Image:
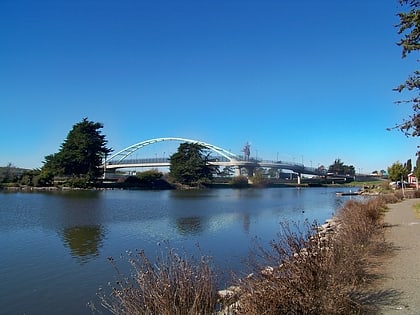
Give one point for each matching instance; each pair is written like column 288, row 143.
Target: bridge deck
column 164, row 162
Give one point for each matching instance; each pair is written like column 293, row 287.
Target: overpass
column 222, row 158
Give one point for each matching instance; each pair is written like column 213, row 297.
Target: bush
column 306, row 282
column 149, row 176
column 239, row 181
column 131, row 180
column 172, row 285
column 316, row 273
column 78, row 182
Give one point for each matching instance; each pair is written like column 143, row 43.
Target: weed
column 309, row 269
column 172, row 285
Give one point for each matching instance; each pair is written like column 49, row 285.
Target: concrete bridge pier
column 250, row 170
column 107, row 171
column 299, row 178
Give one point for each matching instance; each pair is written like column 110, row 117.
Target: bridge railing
column 165, row 161
column 151, row 160
column 140, row 161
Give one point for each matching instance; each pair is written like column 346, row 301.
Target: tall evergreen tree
column 408, row 166
column 81, row 153
column 189, row 165
column 417, row 168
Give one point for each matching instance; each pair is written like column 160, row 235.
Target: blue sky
column 302, row 80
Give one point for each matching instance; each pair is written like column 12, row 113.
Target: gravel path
column 402, row 271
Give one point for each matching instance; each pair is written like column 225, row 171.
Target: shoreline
column 174, row 187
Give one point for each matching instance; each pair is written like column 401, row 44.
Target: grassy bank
column 310, row 269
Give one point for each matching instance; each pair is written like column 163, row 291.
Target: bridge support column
column 299, row 178
column 250, row 171
column 237, row 171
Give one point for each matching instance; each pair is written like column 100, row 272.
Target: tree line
column 399, row 172
column 78, row 163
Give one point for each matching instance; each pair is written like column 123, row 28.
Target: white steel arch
column 121, row 155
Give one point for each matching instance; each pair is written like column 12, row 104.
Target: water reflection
column 84, row 242
column 246, row 222
column 77, row 217
column 189, row 225
column 55, row 242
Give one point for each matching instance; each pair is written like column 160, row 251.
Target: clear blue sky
column 302, row 80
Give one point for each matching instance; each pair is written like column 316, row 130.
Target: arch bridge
column 224, row 158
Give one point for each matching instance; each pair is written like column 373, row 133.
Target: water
column 54, row 245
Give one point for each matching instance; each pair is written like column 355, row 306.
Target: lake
column 54, row 245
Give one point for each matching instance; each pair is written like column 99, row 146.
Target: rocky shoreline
column 332, row 237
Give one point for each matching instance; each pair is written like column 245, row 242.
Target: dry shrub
column 169, row 286
column 359, row 224
column 411, row 193
column 307, row 270
column 307, row 282
column 393, row 197
column 358, row 221
column 319, row 272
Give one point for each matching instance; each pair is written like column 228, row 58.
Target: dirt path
column 402, row 271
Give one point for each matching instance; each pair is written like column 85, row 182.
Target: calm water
column 54, row 245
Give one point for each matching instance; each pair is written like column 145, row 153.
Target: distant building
column 412, row 179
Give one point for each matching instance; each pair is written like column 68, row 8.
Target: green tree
column 339, row 168
column 239, row 181
column 53, row 165
column 417, row 168
column 149, row 176
column 36, row 177
column 189, row 165
column 408, row 166
column 80, row 154
column 409, row 29
column 8, row 173
column 397, row 171
column 227, row 171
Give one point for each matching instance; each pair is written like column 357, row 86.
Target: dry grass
column 318, row 273
column 307, row 270
column 172, row 285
